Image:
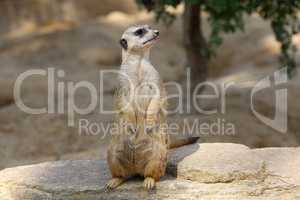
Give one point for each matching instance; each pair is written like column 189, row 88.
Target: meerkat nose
column 156, row 32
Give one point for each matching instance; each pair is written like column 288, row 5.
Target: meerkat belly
column 136, row 101
column 134, row 154
column 138, row 87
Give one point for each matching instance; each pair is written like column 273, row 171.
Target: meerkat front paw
column 151, row 119
column 113, row 183
column 149, row 183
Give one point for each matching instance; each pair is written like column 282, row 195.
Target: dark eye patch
column 140, row 32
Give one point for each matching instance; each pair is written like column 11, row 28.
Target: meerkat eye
column 140, row 32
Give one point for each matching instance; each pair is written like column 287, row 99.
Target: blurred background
column 82, row 37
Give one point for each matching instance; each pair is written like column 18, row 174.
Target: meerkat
column 140, row 144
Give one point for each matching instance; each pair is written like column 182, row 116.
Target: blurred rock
column 253, row 174
column 215, row 163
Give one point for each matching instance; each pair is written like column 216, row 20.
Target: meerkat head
column 138, row 38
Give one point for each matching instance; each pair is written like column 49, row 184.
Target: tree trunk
column 194, row 43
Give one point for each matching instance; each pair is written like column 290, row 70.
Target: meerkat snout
column 139, row 38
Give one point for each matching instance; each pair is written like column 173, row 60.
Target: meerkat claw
column 149, row 183
column 113, row 183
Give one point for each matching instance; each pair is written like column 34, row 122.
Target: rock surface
column 206, row 171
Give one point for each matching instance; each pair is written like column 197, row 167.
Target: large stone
column 206, row 171
column 217, row 163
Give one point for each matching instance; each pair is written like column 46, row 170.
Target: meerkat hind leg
column 149, row 183
column 114, row 182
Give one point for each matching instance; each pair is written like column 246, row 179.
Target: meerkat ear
column 124, row 44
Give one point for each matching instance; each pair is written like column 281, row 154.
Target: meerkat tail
column 178, row 142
